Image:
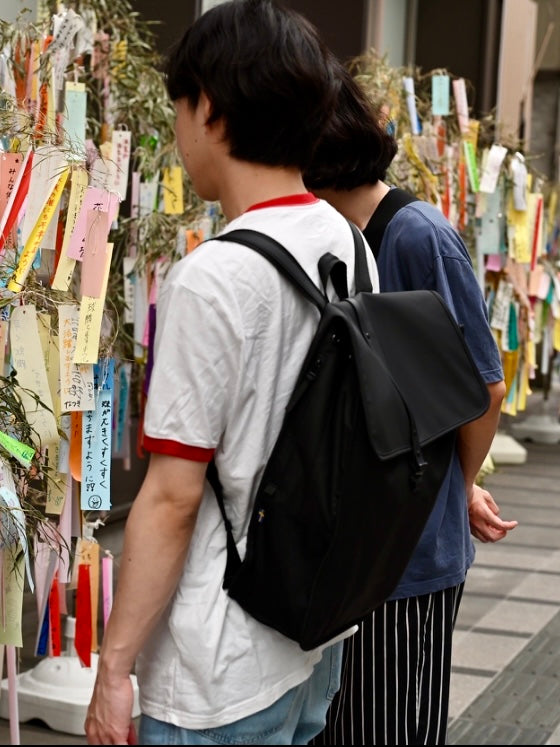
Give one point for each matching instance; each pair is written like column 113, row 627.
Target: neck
column 244, row 184
column 358, row 204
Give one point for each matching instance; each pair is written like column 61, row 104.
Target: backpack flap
column 396, row 358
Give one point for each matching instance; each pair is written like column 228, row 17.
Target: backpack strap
column 285, row 263
column 233, row 561
column 280, row 257
column 394, row 200
column 331, row 266
column 334, row 268
column 361, row 273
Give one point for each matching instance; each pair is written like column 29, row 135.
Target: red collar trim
column 306, row 198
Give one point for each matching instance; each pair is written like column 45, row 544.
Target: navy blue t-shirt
column 421, row 250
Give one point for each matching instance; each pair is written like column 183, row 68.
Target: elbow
column 497, row 392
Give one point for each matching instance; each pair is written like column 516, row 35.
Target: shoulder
column 424, row 227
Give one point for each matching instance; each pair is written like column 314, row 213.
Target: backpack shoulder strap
column 393, row 201
column 233, row 560
column 280, row 257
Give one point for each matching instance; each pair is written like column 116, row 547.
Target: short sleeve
column 195, row 372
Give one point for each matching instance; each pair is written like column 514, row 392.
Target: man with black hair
column 397, row 668
column 253, row 86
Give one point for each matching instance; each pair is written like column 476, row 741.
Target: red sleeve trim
column 174, row 448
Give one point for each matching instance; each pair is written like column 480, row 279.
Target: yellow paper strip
column 29, row 364
column 173, row 191
column 57, row 484
column 66, row 264
column 556, row 335
column 34, row 241
column 10, row 631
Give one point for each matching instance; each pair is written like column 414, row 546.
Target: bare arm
column 474, row 442
column 475, row 438
column 156, row 541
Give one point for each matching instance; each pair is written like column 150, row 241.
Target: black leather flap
column 398, row 363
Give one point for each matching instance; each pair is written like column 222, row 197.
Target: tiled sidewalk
column 506, row 665
column 506, row 662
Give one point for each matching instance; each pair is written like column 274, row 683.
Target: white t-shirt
column 231, row 336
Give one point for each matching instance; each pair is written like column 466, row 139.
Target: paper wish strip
column 91, row 314
column 96, row 454
column 33, row 243
column 66, row 264
column 76, row 380
column 29, row 364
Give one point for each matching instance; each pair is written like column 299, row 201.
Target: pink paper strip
column 107, row 578
column 95, row 199
column 95, row 253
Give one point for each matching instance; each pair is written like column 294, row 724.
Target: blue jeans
column 298, row 716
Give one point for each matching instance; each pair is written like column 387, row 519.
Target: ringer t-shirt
column 231, row 336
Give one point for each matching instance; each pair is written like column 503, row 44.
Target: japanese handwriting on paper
column 96, row 454
column 32, row 375
column 76, row 380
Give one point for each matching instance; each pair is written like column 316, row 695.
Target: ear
column 205, row 110
column 204, row 107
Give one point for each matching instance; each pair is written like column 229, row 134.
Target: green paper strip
column 472, row 167
column 24, row 454
column 513, row 338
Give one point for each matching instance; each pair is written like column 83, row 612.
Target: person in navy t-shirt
column 397, row 668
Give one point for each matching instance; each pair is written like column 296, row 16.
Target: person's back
column 253, row 85
column 397, row 669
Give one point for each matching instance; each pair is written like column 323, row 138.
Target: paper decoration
column 492, row 168
column 91, row 313
column 34, row 241
column 472, row 167
column 96, row 453
column 13, row 584
column 29, row 363
column 519, row 172
column 173, row 190
column 83, row 637
column 11, row 502
column 95, row 198
column 440, row 95
column 76, row 379
column 461, row 105
column 18, row 195
column 120, row 154
column 66, row 264
column 23, row 453
column 75, row 101
column 107, row 577
column 408, row 84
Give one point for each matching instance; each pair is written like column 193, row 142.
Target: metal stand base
column 541, row 429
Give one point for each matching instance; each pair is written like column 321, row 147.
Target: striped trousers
column 396, row 673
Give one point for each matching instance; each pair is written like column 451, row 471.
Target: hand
column 109, row 715
column 484, row 521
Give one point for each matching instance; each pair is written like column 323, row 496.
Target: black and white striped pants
column 396, row 672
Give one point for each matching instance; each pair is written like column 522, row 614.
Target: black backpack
column 365, row 443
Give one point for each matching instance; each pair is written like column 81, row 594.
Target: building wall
column 462, row 38
column 11, row 8
column 340, row 23
column 545, row 118
column 515, row 69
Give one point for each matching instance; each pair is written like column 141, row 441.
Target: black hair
column 265, row 70
column 355, row 147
